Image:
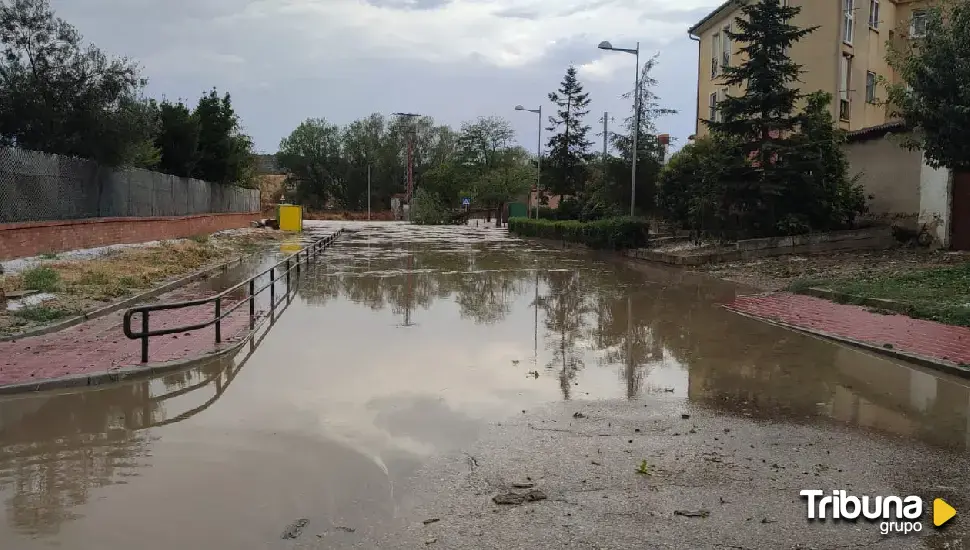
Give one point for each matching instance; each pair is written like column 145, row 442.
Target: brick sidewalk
column 915, row 337
column 100, row 345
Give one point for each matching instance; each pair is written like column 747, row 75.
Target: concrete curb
column 948, row 367
column 122, row 374
column 127, row 302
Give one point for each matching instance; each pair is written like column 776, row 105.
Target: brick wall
column 19, row 240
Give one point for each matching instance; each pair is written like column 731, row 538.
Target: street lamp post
column 410, row 116
column 636, row 117
column 538, row 152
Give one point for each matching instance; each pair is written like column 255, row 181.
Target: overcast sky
column 287, row 60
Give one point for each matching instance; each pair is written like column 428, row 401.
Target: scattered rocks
column 294, row 529
column 430, row 541
column 515, row 499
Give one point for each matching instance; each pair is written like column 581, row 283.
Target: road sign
column 466, row 202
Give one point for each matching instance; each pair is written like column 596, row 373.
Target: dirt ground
column 81, row 281
column 777, row 273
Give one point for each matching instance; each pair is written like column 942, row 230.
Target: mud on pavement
column 654, row 475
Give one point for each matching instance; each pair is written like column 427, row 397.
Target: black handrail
column 294, row 261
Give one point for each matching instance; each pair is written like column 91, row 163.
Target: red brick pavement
column 100, row 345
column 926, row 339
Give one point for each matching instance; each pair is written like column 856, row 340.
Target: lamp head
column 519, row 108
column 605, row 45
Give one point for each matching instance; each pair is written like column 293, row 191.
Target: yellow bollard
column 290, row 217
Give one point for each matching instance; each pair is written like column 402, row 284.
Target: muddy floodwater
column 402, row 344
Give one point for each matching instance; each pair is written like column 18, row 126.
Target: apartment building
column 845, row 56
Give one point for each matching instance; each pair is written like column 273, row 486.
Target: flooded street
column 404, row 344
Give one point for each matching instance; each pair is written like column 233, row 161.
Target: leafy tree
column 61, row 96
column 225, row 153
column 311, row 154
column 178, row 139
column 932, row 97
column 824, row 197
column 569, row 145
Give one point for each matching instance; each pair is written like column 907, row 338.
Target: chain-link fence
column 37, row 186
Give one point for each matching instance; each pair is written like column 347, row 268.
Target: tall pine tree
column 763, row 119
column 569, row 145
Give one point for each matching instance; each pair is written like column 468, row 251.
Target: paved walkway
column 925, row 339
column 100, row 345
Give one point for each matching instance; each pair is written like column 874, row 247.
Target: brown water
column 405, row 343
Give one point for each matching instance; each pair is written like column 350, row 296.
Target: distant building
column 266, row 164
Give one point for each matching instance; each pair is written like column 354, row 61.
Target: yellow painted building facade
column 845, row 56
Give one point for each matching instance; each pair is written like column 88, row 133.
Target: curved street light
column 606, row 45
column 538, row 152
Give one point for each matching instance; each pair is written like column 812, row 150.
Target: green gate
column 518, row 210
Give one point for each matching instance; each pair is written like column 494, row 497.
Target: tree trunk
column 500, row 217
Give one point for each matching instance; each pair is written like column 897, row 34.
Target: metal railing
column 291, row 263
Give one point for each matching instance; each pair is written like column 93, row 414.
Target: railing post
column 218, row 320
column 298, row 263
column 252, row 303
column 144, row 337
column 287, row 276
column 272, row 288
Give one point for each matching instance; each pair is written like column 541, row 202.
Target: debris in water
column 578, row 415
column 692, row 513
column 523, row 485
column 345, row 529
column 685, row 416
column 515, row 499
column 515, row 361
column 431, row 541
column 431, row 520
column 294, row 529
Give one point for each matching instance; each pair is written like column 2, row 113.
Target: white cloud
column 462, row 29
column 605, row 67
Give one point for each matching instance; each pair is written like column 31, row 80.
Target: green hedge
column 610, row 233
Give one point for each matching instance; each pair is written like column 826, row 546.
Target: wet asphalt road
column 391, row 390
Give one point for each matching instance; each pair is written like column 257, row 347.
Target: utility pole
column 606, row 138
column 410, row 116
column 606, row 134
column 368, row 191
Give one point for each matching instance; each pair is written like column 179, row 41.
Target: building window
column 845, row 81
column 917, row 28
column 725, row 47
column 848, row 20
column 712, row 103
column 874, row 14
column 715, row 54
column 870, row 87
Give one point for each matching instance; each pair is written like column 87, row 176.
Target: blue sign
column 466, row 202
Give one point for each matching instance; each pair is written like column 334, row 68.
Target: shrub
column 43, row 279
column 428, row 209
column 610, row 233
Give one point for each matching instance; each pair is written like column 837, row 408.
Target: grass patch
column 43, row 314
column 43, row 279
column 48, row 256
column 200, row 239
column 940, row 294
